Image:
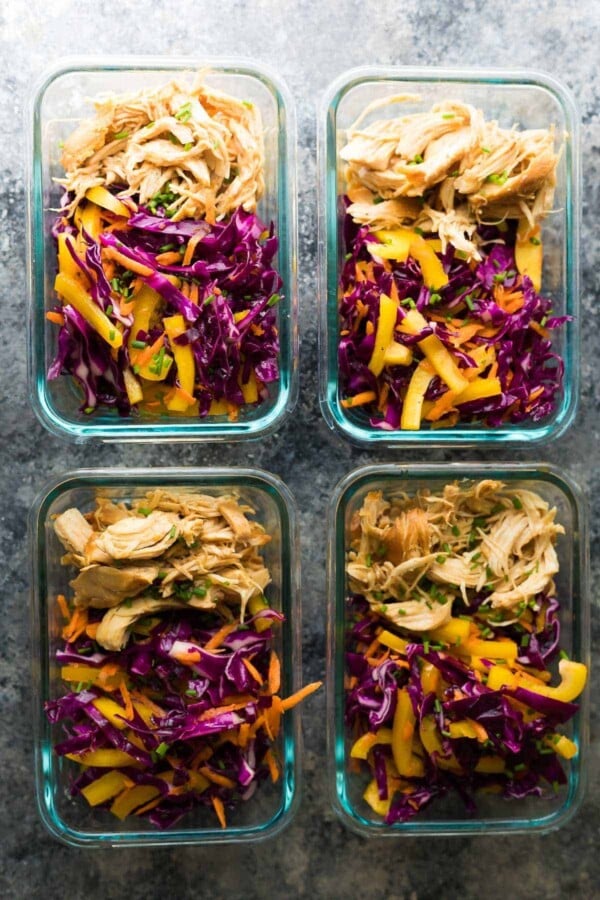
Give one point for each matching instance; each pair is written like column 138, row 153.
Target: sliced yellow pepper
column 529, row 254
column 430, row 678
column 360, row 748
column 490, row 765
column 66, row 263
column 392, row 641
column 86, row 674
column 479, row 389
column 462, row 729
column 104, row 759
column 133, row 387
column 562, row 745
column 72, row 292
column 573, row 678
column 250, row 388
column 455, row 631
column 499, row 677
column 412, row 408
column 430, row 739
column 184, row 359
column 395, row 244
column 111, row 711
column 146, row 305
column 152, row 372
column 431, row 267
column 490, row 649
column 106, row 787
column 133, row 797
column 388, row 312
column 438, row 355
column 397, row 355
column 218, row 408
column 91, row 220
column 107, row 200
column 371, row 796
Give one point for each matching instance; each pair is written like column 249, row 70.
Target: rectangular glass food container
column 530, row 99
column 71, row 820
column 448, row 816
column 61, row 99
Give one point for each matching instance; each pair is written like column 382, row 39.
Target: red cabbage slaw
column 494, row 306
column 220, row 278
column 468, row 722
column 187, row 715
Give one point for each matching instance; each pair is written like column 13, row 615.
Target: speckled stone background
column 310, row 42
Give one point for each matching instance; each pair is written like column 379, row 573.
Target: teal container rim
column 328, row 228
column 111, row 429
column 336, row 595
column 225, row 477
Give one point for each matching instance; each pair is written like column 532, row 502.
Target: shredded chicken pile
column 412, row 557
column 166, row 551
column 200, row 145
column 447, row 170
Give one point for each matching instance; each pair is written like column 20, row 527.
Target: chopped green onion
column 120, row 135
column 535, row 241
column 516, row 502
column 144, row 510
column 498, row 178
column 273, row 299
column 139, row 345
column 173, row 532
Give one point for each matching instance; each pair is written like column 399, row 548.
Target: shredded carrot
column 233, row 412
column 441, row 407
column 383, row 396
column 539, row 329
column 253, row 670
column 129, row 711
column 143, row 698
column 274, row 676
column 76, row 626
column 201, row 756
column 300, row 695
column 132, row 265
column 55, row 317
column 91, row 630
column 272, row 764
column 536, row 393
column 146, row 355
column 216, row 778
column 218, row 638
column 62, row 605
column 359, row 399
column 169, row 258
column 194, row 292
column 190, row 248
column 244, row 734
column 220, row 810
column 372, row 647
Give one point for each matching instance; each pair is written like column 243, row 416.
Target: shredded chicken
column 466, row 170
column 201, row 146
column 170, row 549
column 411, row 557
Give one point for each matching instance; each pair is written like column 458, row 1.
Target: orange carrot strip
column 253, row 670
column 372, row 647
column 129, row 711
column 274, row 676
column 244, row 734
column 300, row 695
column 383, row 396
column 201, row 756
column 221, row 780
column 147, row 354
column 359, row 399
column 62, row 605
column 194, row 293
column 258, row 723
column 220, row 811
column 143, row 698
column 76, row 626
column 55, row 317
column 218, row 638
column 442, row 405
column 148, row 806
column 168, row 258
column 272, row 764
column 132, row 265
column 535, row 326
column 191, row 246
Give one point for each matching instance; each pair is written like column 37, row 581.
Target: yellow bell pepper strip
column 562, row 745
column 359, row 399
column 106, row 787
column 218, row 408
column 249, row 388
column 392, row 641
column 66, row 263
column 133, row 797
column 412, row 408
column 255, row 605
column 395, row 244
column 431, row 267
column 403, row 729
column 111, row 711
column 468, row 728
column 133, row 387
column 501, row 649
column 184, row 360
column 455, row 631
column 573, row 679
column 360, row 748
column 438, row 355
column 388, row 312
column 428, row 731
column 490, row 765
column 430, row 678
column 107, row 201
column 146, row 306
column 72, row 292
column 479, row 389
column 397, row 355
column 371, row 796
column 91, row 220
column 499, row 677
column 104, row 759
column 158, row 367
column 529, row 252
column 85, row 674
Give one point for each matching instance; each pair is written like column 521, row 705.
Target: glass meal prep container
column 62, row 98
column 70, row 819
column 448, row 815
column 532, row 100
